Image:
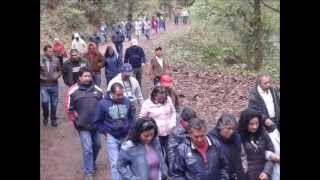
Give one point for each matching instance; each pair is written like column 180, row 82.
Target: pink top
column 163, row 114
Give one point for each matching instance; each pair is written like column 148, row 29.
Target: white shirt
column 160, row 61
column 268, row 101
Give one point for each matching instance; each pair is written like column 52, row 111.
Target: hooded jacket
column 190, row 166
column 135, row 56
column 71, row 69
column 82, row 100
column 49, row 76
column 132, row 164
column 232, row 151
column 80, row 45
column 115, row 118
column 135, row 88
column 95, row 59
column 59, row 50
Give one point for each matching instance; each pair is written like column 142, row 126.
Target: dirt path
column 60, row 152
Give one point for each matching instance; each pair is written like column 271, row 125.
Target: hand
column 275, row 158
column 263, row 176
column 269, row 122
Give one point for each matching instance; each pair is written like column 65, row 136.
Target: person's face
column 49, row 52
column 159, row 53
column 85, row 78
column 91, row 48
column 147, row 136
column 227, row 131
column 117, row 96
column 110, row 51
column 265, row 83
column 74, row 56
column 160, row 97
column 198, row 136
column 125, row 77
column 253, row 125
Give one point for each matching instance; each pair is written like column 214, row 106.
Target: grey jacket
column 132, row 164
column 49, row 76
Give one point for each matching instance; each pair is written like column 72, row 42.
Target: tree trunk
column 130, row 9
column 258, row 31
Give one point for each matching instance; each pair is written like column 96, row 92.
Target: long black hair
column 141, row 125
column 245, row 118
column 158, row 90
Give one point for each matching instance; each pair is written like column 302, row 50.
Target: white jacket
column 136, row 90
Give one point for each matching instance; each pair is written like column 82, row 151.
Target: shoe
column 45, row 121
column 54, row 123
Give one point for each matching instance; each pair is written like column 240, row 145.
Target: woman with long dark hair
column 140, row 156
column 257, row 148
column 112, row 64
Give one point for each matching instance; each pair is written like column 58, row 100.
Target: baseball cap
column 127, row 69
column 166, row 81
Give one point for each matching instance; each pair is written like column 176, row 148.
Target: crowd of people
column 156, row 137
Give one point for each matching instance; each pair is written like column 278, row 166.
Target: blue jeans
column 49, row 94
column 90, row 144
column 113, row 148
column 96, row 77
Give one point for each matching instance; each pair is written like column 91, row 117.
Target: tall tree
column 258, row 30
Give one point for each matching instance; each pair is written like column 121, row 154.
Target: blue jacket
column 112, row 65
column 135, row 56
column 190, row 166
column 177, row 136
column 114, row 118
column 133, row 155
column 232, row 151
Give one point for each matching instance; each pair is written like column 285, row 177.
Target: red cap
column 166, row 81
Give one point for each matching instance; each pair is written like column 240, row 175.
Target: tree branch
column 266, row 5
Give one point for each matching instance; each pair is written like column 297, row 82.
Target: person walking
column 114, row 117
column 226, row 133
column 257, row 148
column 158, row 67
column 167, row 82
column 159, row 107
column 118, row 39
column 59, row 50
column 81, row 102
column 50, row 71
column 78, row 44
column 266, row 99
column 140, row 155
column 112, row 64
column 200, row 157
column 178, row 134
column 96, row 63
column 131, row 86
column 71, row 67
column 135, row 56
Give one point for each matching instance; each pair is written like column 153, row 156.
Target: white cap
column 134, row 42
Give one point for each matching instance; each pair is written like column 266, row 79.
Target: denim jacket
column 132, row 164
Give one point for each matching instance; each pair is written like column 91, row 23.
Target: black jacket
column 256, row 158
column 83, row 100
column 135, row 56
column 70, row 70
column 117, row 37
column 256, row 103
column 232, row 151
column 190, row 166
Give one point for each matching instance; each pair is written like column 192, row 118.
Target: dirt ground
column 60, row 152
